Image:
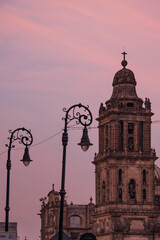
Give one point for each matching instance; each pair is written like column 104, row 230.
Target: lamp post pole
column 84, row 119
column 23, row 136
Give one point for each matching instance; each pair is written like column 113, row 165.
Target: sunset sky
column 54, row 54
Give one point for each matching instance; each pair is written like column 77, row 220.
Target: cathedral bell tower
column 124, row 166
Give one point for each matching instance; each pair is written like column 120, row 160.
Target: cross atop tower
column 124, row 62
column 124, row 53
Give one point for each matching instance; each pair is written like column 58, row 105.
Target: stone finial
column 91, row 199
column 102, row 108
column 147, row 103
column 43, row 201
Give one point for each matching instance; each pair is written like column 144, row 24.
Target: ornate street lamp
column 23, row 136
column 84, row 119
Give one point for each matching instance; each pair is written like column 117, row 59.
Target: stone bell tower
column 125, row 165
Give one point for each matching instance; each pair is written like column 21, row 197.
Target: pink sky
column 54, row 54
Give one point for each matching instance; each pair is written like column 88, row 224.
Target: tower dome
column 124, row 76
column 124, row 85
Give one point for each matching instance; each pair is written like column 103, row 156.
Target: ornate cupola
column 124, row 88
column 124, row 124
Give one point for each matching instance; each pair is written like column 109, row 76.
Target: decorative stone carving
column 147, row 103
column 101, row 109
column 136, row 224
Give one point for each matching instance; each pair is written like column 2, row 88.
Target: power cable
column 70, row 128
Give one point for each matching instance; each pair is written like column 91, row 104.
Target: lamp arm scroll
column 84, row 119
column 23, row 135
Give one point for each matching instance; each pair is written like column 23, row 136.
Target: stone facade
column 78, row 219
column 127, row 192
column 127, row 180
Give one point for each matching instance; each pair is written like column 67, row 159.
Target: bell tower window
column 141, row 136
column 120, row 176
column 130, row 144
column 120, row 194
column 107, row 185
column 98, row 188
column 130, row 128
column 107, row 138
column 144, row 177
column 103, row 192
column 121, row 135
column 108, row 177
column 130, row 104
column 132, row 189
column 144, row 194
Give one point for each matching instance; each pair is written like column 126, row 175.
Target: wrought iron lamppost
column 84, row 119
column 23, row 136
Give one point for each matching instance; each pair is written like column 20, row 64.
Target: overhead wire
column 47, row 139
column 156, row 121
column 70, row 127
column 43, row 141
column 3, row 152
